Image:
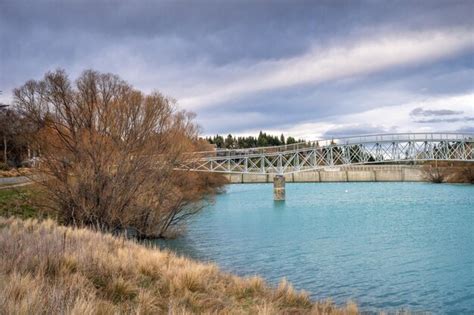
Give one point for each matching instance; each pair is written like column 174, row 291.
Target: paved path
column 12, row 182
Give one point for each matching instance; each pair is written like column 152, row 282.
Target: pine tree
column 282, row 139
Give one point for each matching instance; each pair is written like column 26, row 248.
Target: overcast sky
column 309, row 69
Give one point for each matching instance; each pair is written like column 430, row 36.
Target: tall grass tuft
column 51, row 269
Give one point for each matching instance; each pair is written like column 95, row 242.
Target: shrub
column 463, row 174
column 109, row 153
column 434, row 174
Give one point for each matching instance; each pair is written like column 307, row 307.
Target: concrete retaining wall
column 388, row 176
column 360, row 176
column 310, row 176
column 364, row 173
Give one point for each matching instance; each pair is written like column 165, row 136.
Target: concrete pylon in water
column 279, row 187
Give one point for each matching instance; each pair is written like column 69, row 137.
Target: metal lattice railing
column 380, row 148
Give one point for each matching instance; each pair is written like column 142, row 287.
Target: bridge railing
column 354, row 140
column 404, row 137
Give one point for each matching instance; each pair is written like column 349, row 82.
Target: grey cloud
column 353, row 130
column 162, row 45
column 469, row 129
column 444, row 120
column 225, row 32
column 282, row 108
column 432, row 112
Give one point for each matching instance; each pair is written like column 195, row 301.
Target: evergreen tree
column 282, row 139
column 263, row 140
column 219, row 141
column 290, row 140
column 229, row 142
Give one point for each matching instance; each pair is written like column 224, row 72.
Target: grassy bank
column 51, row 269
column 19, row 202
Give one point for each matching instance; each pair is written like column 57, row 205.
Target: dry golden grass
column 51, row 269
column 22, row 171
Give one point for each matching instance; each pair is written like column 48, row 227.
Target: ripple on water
column 386, row 245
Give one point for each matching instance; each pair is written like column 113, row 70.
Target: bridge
column 330, row 153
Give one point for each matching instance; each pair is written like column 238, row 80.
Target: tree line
column 262, row 140
column 15, row 133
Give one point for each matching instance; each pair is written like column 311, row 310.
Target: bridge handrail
column 350, row 140
column 414, row 136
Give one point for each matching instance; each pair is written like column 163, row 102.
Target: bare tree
column 5, row 130
column 109, row 152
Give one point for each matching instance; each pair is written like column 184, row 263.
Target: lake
column 387, row 246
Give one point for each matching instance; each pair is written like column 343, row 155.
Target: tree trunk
column 5, row 149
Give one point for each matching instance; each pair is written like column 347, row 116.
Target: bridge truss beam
column 386, row 148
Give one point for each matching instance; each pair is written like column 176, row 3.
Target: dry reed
column 50, row 269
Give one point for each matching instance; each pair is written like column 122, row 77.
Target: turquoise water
column 387, row 246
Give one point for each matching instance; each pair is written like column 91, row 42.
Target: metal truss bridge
column 312, row 155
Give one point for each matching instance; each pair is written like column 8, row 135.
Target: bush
column 4, row 166
column 468, row 175
column 463, row 175
column 435, row 175
column 109, row 152
column 452, row 172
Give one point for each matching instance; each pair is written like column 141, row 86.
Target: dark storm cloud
column 228, row 31
column 219, row 32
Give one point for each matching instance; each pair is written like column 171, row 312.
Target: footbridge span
column 330, row 153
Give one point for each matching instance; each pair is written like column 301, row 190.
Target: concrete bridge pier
column 279, row 188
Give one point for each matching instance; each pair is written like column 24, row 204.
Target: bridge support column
column 278, row 187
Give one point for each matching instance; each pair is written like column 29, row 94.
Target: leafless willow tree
column 109, row 151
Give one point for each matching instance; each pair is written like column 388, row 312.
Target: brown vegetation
column 14, row 172
column 449, row 172
column 109, row 152
column 464, row 175
column 50, row 269
column 435, row 174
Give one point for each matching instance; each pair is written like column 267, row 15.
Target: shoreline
column 80, row 271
